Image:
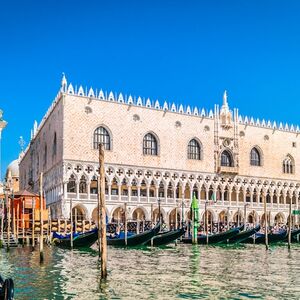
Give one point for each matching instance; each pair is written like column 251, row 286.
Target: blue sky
column 183, row 51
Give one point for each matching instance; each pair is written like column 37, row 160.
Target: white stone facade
column 62, row 147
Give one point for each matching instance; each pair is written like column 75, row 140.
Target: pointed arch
column 194, row 149
column 226, row 159
column 256, row 156
column 150, row 144
column 288, row 165
column 102, row 135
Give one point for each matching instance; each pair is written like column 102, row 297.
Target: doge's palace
column 161, row 151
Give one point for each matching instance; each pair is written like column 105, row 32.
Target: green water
column 182, row 272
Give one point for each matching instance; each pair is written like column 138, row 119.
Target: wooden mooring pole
column 33, row 223
column 266, row 223
column 41, row 220
column 290, row 225
column 125, row 222
column 101, row 202
column 8, row 220
column 71, row 223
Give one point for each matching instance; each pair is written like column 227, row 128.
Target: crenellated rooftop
column 69, row 89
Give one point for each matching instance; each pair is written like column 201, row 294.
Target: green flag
column 195, row 204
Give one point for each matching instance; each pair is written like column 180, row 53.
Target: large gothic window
column 101, row 136
column 194, row 150
column 226, row 159
column 255, row 159
column 288, row 165
column 71, row 186
column 150, row 146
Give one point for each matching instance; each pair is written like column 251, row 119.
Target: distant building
column 12, row 175
column 165, row 151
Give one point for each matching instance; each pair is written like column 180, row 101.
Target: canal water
column 175, row 272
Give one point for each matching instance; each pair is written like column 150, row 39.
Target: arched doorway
column 118, row 215
column 78, row 213
column 174, row 221
column 279, row 219
column 138, row 214
column 238, row 218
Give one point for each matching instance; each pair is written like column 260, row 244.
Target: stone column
column 229, row 196
column 77, row 190
column 109, row 191
column 89, row 190
column 271, row 197
column 166, row 192
column 156, row 191
column 237, row 198
column 251, row 199
column 129, row 193
column 148, row 193
column 222, row 196
column 174, row 193
column 139, row 192
column 119, row 191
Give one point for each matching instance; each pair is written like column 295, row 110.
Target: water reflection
column 182, row 272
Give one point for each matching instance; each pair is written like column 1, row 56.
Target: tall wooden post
column 125, row 222
column 152, row 217
column 75, row 223
column 206, row 222
column 290, row 225
column 23, row 221
column 266, row 223
column 71, row 222
column 33, row 223
column 8, row 220
column 102, row 228
column 2, row 221
column 14, row 217
column 176, row 218
column 18, row 220
column 41, row 220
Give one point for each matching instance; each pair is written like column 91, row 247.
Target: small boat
column 214, row 238
column 164, row 238
column 243, row 235
column 135, row 239
column 294, row 235
column 86, row 239
column 259, row 238
column 7, row 289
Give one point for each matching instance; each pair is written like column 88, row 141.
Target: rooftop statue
column 1, row 114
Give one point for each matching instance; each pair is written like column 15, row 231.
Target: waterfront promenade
column 182, row 272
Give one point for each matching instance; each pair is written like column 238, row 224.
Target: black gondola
column 243, row 235
column 294, row 234
column 259, row 238
column 165, row 238
column 134, row 240
column 6, row 289
column 86, row 239
column 214, row 238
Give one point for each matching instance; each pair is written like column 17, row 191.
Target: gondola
column 294, row 235
column 86, row 239
column 133, row 240
column 259, row 238
column 165, row 238
column 214, row 238
column 243, row 235
column 6, row 289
